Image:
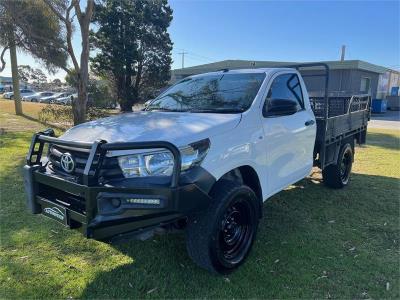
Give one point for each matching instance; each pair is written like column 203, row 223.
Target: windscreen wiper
column 218, row 110
column 165, row 109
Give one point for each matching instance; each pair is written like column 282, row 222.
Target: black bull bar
column 184, row 194
column 99, row 147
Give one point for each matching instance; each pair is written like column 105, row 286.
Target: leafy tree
column 66, row 11
column 38, row 77
column 34, row 29
column 25, row 72
column 72, row 78
column 135, row 47
column 99, row 94
column 57, row 82
column 29, row 74
column 29, row 26
column 99, row 91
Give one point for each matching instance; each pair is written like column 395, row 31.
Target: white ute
column 241, row 137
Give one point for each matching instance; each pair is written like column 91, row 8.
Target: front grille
column 109, row 168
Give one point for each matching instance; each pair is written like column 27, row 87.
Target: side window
column 285, row 87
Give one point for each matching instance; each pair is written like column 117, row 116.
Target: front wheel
column 337, row 175
column 220, row 238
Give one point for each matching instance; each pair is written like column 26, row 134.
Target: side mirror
column 281, row 107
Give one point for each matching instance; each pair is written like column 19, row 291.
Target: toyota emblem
column 67, row 163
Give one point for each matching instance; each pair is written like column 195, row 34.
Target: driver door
column 289, row 129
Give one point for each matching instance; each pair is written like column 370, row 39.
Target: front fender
column 238, row 149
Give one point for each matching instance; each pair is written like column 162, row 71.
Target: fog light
column 149, row 201
column 115, row 202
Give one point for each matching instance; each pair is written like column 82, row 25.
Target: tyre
column 337, row 175
column 219, row 239
column 34, row 100
column 11, row 97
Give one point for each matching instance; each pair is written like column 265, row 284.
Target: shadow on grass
column 313, row 242
column 383, row 140
column 306, row 232
column 52, row 125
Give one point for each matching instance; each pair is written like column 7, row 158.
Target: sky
column 277, row 31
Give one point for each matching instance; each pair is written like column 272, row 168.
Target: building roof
column 5, row 79
column 238, row 64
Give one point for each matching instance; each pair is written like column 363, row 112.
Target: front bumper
column 102, row 211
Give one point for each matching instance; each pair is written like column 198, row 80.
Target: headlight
column 161, row 163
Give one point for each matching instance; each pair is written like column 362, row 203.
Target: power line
column 196, row 55
column 202, row 56
column 198, row 58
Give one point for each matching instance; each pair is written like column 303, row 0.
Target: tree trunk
column 126, row 105
column 79, row 104
column 15, row 77
column 83, row 78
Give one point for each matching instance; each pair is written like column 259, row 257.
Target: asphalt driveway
column 387, row 120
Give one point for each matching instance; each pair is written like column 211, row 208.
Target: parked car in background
column 67, row 100
column 54, row 98
column 37, row 96
column 24, row 92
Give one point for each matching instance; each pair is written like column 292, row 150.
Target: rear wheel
column 337, row 175
column 220, row 238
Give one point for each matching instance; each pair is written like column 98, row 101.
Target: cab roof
column 244, row 71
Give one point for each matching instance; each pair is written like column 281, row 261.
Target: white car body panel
column 8, row 95
column 67, row 99
column 46, row 97
column 36, row 96
column 289, row 143
column 175, row 127
column 54, row 98
column 59, row 97
column 30, row 97
column 279, row 149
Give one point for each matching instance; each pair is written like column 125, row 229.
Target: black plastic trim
column 99, row 221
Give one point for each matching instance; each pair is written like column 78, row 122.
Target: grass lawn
column 313, row 242
column 8, row 120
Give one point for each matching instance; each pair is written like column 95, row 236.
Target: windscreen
column 228, row 93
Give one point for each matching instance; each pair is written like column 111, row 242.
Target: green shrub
column 62, row 115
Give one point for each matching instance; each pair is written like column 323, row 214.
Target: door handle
column 309, row 122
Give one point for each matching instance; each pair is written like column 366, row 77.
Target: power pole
column 183, row 57
column 343, row 53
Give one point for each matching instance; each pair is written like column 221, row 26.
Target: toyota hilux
column 202, row 157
